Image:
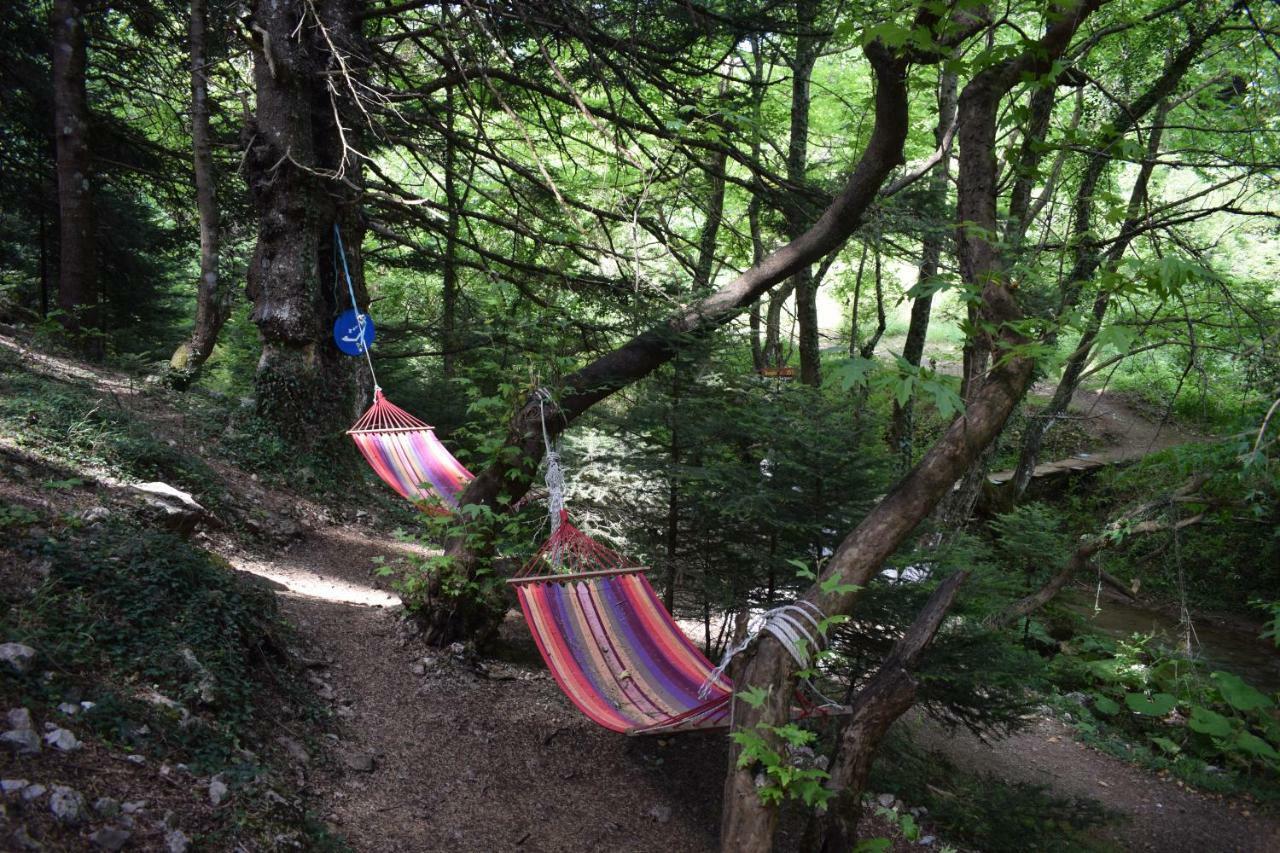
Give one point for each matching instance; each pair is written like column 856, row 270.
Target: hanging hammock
column 612, row 646
column 406, row 454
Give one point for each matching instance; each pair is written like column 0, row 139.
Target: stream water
column 1232, row 648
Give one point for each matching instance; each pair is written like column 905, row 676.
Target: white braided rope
column 555, row 474
column 796, row 626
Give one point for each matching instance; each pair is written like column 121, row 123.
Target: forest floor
column 442, row 750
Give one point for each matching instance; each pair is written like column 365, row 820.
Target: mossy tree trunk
column 304, row 176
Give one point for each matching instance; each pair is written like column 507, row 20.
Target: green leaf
column 753, row 696
column 1167, row 745
column 1239, row 694
column 1208, row 722
column 1256, row 746
column 1156, row 706
column 873, row 845
column 833, row 586
column 1104, row 705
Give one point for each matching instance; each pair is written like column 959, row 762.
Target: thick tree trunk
column 902, row 426
column 78, row 293
column 887, row 696
column 301, row 170
column 213, row 298
column 747, row 823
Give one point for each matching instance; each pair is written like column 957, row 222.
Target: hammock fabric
column 612, row 647
column 406, row 454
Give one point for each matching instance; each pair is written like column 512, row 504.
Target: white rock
column 295, row 749
column 67, row 805
column 106, row 807
column 886, row 800
column 69, row 708
column 62, row 739
column 12, row 786
column 217, row 791
column 133, row 807
column 19, row 718
column 21, row 741
column 176, row 841
column 135, row 759
column 17, row 656
column 33, row 792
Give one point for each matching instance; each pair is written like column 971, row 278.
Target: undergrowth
column 180, row 659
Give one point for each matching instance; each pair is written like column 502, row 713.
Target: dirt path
column 1123, row 433
column 1157, row 812
column 474, row 755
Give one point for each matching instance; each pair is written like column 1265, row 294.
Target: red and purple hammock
column 603, row 632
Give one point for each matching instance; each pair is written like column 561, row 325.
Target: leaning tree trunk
column 888, row 695
column 78, row 293
column 304, row 178
column 213, row 298
column 748, row 823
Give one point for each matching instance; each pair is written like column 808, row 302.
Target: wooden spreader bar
column 577, row 576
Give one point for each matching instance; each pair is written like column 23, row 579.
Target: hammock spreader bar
column 406, row 454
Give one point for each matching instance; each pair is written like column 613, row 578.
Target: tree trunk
column 902, row 426
column 803, row 282
column 78, row 293
column 747, row 823
column 449, row 284
column 887, row 696
column 301, row 171
column 213, row 299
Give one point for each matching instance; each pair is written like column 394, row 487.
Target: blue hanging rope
column 351, row 291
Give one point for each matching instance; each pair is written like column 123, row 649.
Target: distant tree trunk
column 803, row 282
column 78, row 293
column 757, row 192
column 213, row 298
column 449, row 283
column 296, row 154
column 673, row 492
column 44, row 264
column 902, row 428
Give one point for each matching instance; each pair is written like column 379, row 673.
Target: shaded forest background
column 798, row 278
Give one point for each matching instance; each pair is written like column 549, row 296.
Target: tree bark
column 213, row 298
column 887, row 696
column 79, row 298
column 303, row 179
column 747, row 823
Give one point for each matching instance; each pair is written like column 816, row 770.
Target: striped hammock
column 612, row 647
column 406, row 454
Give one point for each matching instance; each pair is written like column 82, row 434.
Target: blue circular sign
column 353, row 332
